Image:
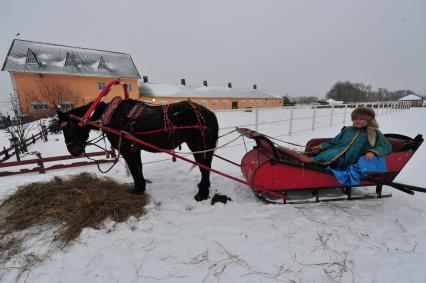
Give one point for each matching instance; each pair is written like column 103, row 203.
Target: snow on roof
column 332, row 101
column 169, row 90
column 411, row 97
column 52, row 57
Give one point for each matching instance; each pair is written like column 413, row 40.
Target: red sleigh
column 285, row 171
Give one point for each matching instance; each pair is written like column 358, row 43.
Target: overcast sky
column 296, row 48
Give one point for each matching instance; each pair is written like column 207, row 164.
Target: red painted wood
column 50, row 159
column 98, row 99
column 54, row 167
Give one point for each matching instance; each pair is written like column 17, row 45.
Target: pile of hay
column 71, row 204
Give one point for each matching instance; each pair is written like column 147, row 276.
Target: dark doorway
column 234, row 104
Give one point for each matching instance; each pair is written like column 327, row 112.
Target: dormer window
column 31, row 58
column 69, row 62
column 102, row 64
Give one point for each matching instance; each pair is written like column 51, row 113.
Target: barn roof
column 169, row 90
column 410, row 97
column 46, row 58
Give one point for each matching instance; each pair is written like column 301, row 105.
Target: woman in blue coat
column 361, row 139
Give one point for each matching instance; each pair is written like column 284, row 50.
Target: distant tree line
column 358, row 92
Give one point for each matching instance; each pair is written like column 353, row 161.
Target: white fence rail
column 285, row 121
column 278, row 122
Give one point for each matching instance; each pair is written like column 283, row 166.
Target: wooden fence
column 7, row 153
column 41, row 167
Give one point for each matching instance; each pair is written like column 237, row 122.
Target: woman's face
column 359, row 123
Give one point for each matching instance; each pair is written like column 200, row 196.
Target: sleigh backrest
column 266, row 146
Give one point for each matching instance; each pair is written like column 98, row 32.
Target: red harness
column 201, row 123
column 169, row 127
column 106, row 116
column 136, row 111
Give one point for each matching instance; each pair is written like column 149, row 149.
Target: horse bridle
column 71, row 124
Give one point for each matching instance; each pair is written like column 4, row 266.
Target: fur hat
column 367, row 114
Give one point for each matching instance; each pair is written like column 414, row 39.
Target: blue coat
column 349, row 145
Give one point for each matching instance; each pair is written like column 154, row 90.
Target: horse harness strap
column 169, row 127
column 112, row 106
column 201, row 123
column 136, row 111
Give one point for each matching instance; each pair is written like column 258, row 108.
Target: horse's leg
column 134, row 162
column 205, row 159
column 141, row 168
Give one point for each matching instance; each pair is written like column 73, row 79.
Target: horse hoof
column 137, row 192
column 199, row 197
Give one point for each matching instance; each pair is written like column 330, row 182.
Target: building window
column 31, row 58
column 101, row 85
column 129, row 87
column 259, row 102
column 67, row 105
column 225, row 103
column 102, row 64
column 251, row 103
column 215, row 103
column 204, row 103
column 68, row 61
column 243, row 103
column 40, row 106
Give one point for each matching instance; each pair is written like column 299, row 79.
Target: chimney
column 254, row 86
column 230, row 85
column 145, row 79
column 182, row 82
column 205, row 83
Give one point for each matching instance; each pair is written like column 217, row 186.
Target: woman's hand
column 369, row 155
column 315, row 149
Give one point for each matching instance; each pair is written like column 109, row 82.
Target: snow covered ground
column 245, row 240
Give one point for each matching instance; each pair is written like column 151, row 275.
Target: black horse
column 168, row 126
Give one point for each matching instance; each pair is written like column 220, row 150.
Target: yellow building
column 44, row 75
column 214, row 98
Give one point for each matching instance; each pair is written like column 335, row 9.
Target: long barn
column 214, row 98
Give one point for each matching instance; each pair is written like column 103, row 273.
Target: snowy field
column 245, row 240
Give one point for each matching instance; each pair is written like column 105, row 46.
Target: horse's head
column 75, row 136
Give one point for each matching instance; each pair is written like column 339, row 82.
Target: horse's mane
column 80, row 110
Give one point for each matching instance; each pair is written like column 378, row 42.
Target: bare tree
column 53, row 91
column 358, row 92
column 18, row 128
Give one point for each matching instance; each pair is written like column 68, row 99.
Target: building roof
column 169, row 90
column 411, row 97
column 45, row 58
column 332, row 101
